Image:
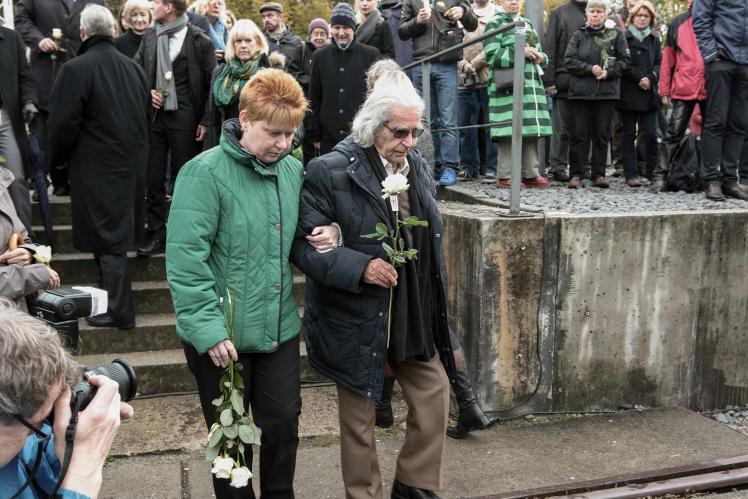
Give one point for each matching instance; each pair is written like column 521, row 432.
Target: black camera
column 61, row 308
column 118, row 370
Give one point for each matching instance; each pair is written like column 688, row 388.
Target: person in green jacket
column 232, row 220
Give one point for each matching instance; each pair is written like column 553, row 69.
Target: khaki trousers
column 419, row 464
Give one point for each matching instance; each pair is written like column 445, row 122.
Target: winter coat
column 565, row 20
column 345, row 320
column 17, row 281
column 16, row 87
column 474, row 53
column 128, row 43
column 392, row 10
column 286, row 44
column 424, row 36
column 682, row 70
column 231, row 224
column 300, row 66
column 34, row 21
column 536, row 121
column 721, row 28
column 98, row 124
column 645, row 63
column 375, row 32
column 201, row 60
column 337, row 88
column 583, row 53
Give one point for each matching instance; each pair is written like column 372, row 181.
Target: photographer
column 35, row 378
column 19, row 275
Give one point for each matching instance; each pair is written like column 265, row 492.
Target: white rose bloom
column 56, row 33
column 43, row 254
column 240, row 477
column 222, row 467
column 610, row 24
column 394, row 184
column 167, row 76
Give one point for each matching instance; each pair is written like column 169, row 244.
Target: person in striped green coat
column 536, row 121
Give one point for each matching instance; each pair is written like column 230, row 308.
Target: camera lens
column 118, row 370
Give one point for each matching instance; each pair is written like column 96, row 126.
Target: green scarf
column 639, row 34
column 232, row 78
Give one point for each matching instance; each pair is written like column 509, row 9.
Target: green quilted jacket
column 231, row 225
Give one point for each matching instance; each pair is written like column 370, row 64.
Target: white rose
column 610, row 24
column 394, row 184
column 222, row 467
column 56, row 33
column 167, row 76
column 43, row 254
column 240, row 477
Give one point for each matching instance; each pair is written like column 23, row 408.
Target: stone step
column 166, row 371
column 63, row 238
column 61, row 211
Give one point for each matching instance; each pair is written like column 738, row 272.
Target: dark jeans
column 273, row 388
column 472, row 101
column 589, row 127
column 114, row 277
column 725, row 122
column 680, row 117
column 648, row 127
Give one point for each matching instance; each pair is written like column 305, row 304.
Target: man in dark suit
column 98, row 123
column 50, row 28
column 178, row 60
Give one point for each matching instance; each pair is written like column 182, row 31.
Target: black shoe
column 402, row 491
column 560, row 176
column 155, row 246
column 61, row 190
column 471, row 417
column 733, row 191
column 106, row 320
column 713, row 191
column 383, row 406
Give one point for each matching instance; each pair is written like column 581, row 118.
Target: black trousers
column 273, row 388
column 725, row 122
column 647, row 123
column 183, row 147
column 680, row 117
column 589, row 128
column 114, row 277
column 58, row 174
column 559, row 155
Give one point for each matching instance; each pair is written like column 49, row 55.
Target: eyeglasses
column 402, row 132
column 43, row 437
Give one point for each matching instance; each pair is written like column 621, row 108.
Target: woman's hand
column 597, row 71
column 54, row 279
column 20, row 256
column 645, row 83
column 602, row 75
column 222, row 352
column 157, row 100
column 324, row 238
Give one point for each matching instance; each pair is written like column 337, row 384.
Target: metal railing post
column 426, row 91
column 517, row 105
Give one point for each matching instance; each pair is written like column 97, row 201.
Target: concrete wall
column 648, row 309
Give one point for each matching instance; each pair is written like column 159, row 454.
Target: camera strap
column 69, row 443
column 31, row 472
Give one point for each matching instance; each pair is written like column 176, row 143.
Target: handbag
column 503, row 79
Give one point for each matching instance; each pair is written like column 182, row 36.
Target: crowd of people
column 190, row 103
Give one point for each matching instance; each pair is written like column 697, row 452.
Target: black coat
column 16, row 86
column 645, row 63
column 35, row 20
column 345, row 320
column 583, row 53
column 201, row 60
column 300, row 66
column 128, row 43
column 380, row 37
column 337, row 88
column 565, row 20
column 286, row 45
column 98, row 124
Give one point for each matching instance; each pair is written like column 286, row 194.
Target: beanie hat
column 343, row 15
column 319, row 23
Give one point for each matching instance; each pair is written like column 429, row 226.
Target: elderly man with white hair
column 360, row 311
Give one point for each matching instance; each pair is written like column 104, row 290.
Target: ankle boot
column 471, row 416
column 383, row 406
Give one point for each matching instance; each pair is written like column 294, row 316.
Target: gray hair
column 604, row 4
column 33, row 362
column 133, row 5
column 377, row 69
column 392, row 90
column 97, row 20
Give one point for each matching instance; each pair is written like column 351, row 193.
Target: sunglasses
column 402, row 132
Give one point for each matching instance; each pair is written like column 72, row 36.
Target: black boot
column 402, row 491
column 471, row 416
column 383, row 406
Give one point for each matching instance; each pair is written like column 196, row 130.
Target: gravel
column 618, row 199
column 735, row 418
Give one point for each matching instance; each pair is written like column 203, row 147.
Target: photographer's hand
column 97, row 425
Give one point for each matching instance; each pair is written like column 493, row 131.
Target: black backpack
column 685, row 166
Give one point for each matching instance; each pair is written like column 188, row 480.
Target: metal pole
column 426, row 91
column 517, row 105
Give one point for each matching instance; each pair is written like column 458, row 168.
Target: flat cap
column 271, row 6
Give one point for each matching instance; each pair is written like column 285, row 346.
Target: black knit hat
column 343, row 15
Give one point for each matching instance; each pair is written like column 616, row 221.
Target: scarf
column 366, row 29
column 163, row 61
column 218, row 34
column 232, row 78
column 640, row 34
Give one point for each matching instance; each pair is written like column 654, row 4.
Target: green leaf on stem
column 245, row 434
column 388, row 249
column 215, row 437
column 217, row 402
column 237, row 401
column 413, row 221
column 232, row 431
column 227, row 419
column 211, row 453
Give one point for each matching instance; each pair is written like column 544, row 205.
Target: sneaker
column 507, row 183
column 540, row 182
column 449, row 177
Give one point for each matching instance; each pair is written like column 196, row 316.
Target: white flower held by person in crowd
column 222, row 467
column 56, row 33
column 43, row 254
column 610, row 24
column 167, row 76
column 240, row 477
column 394, row 185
